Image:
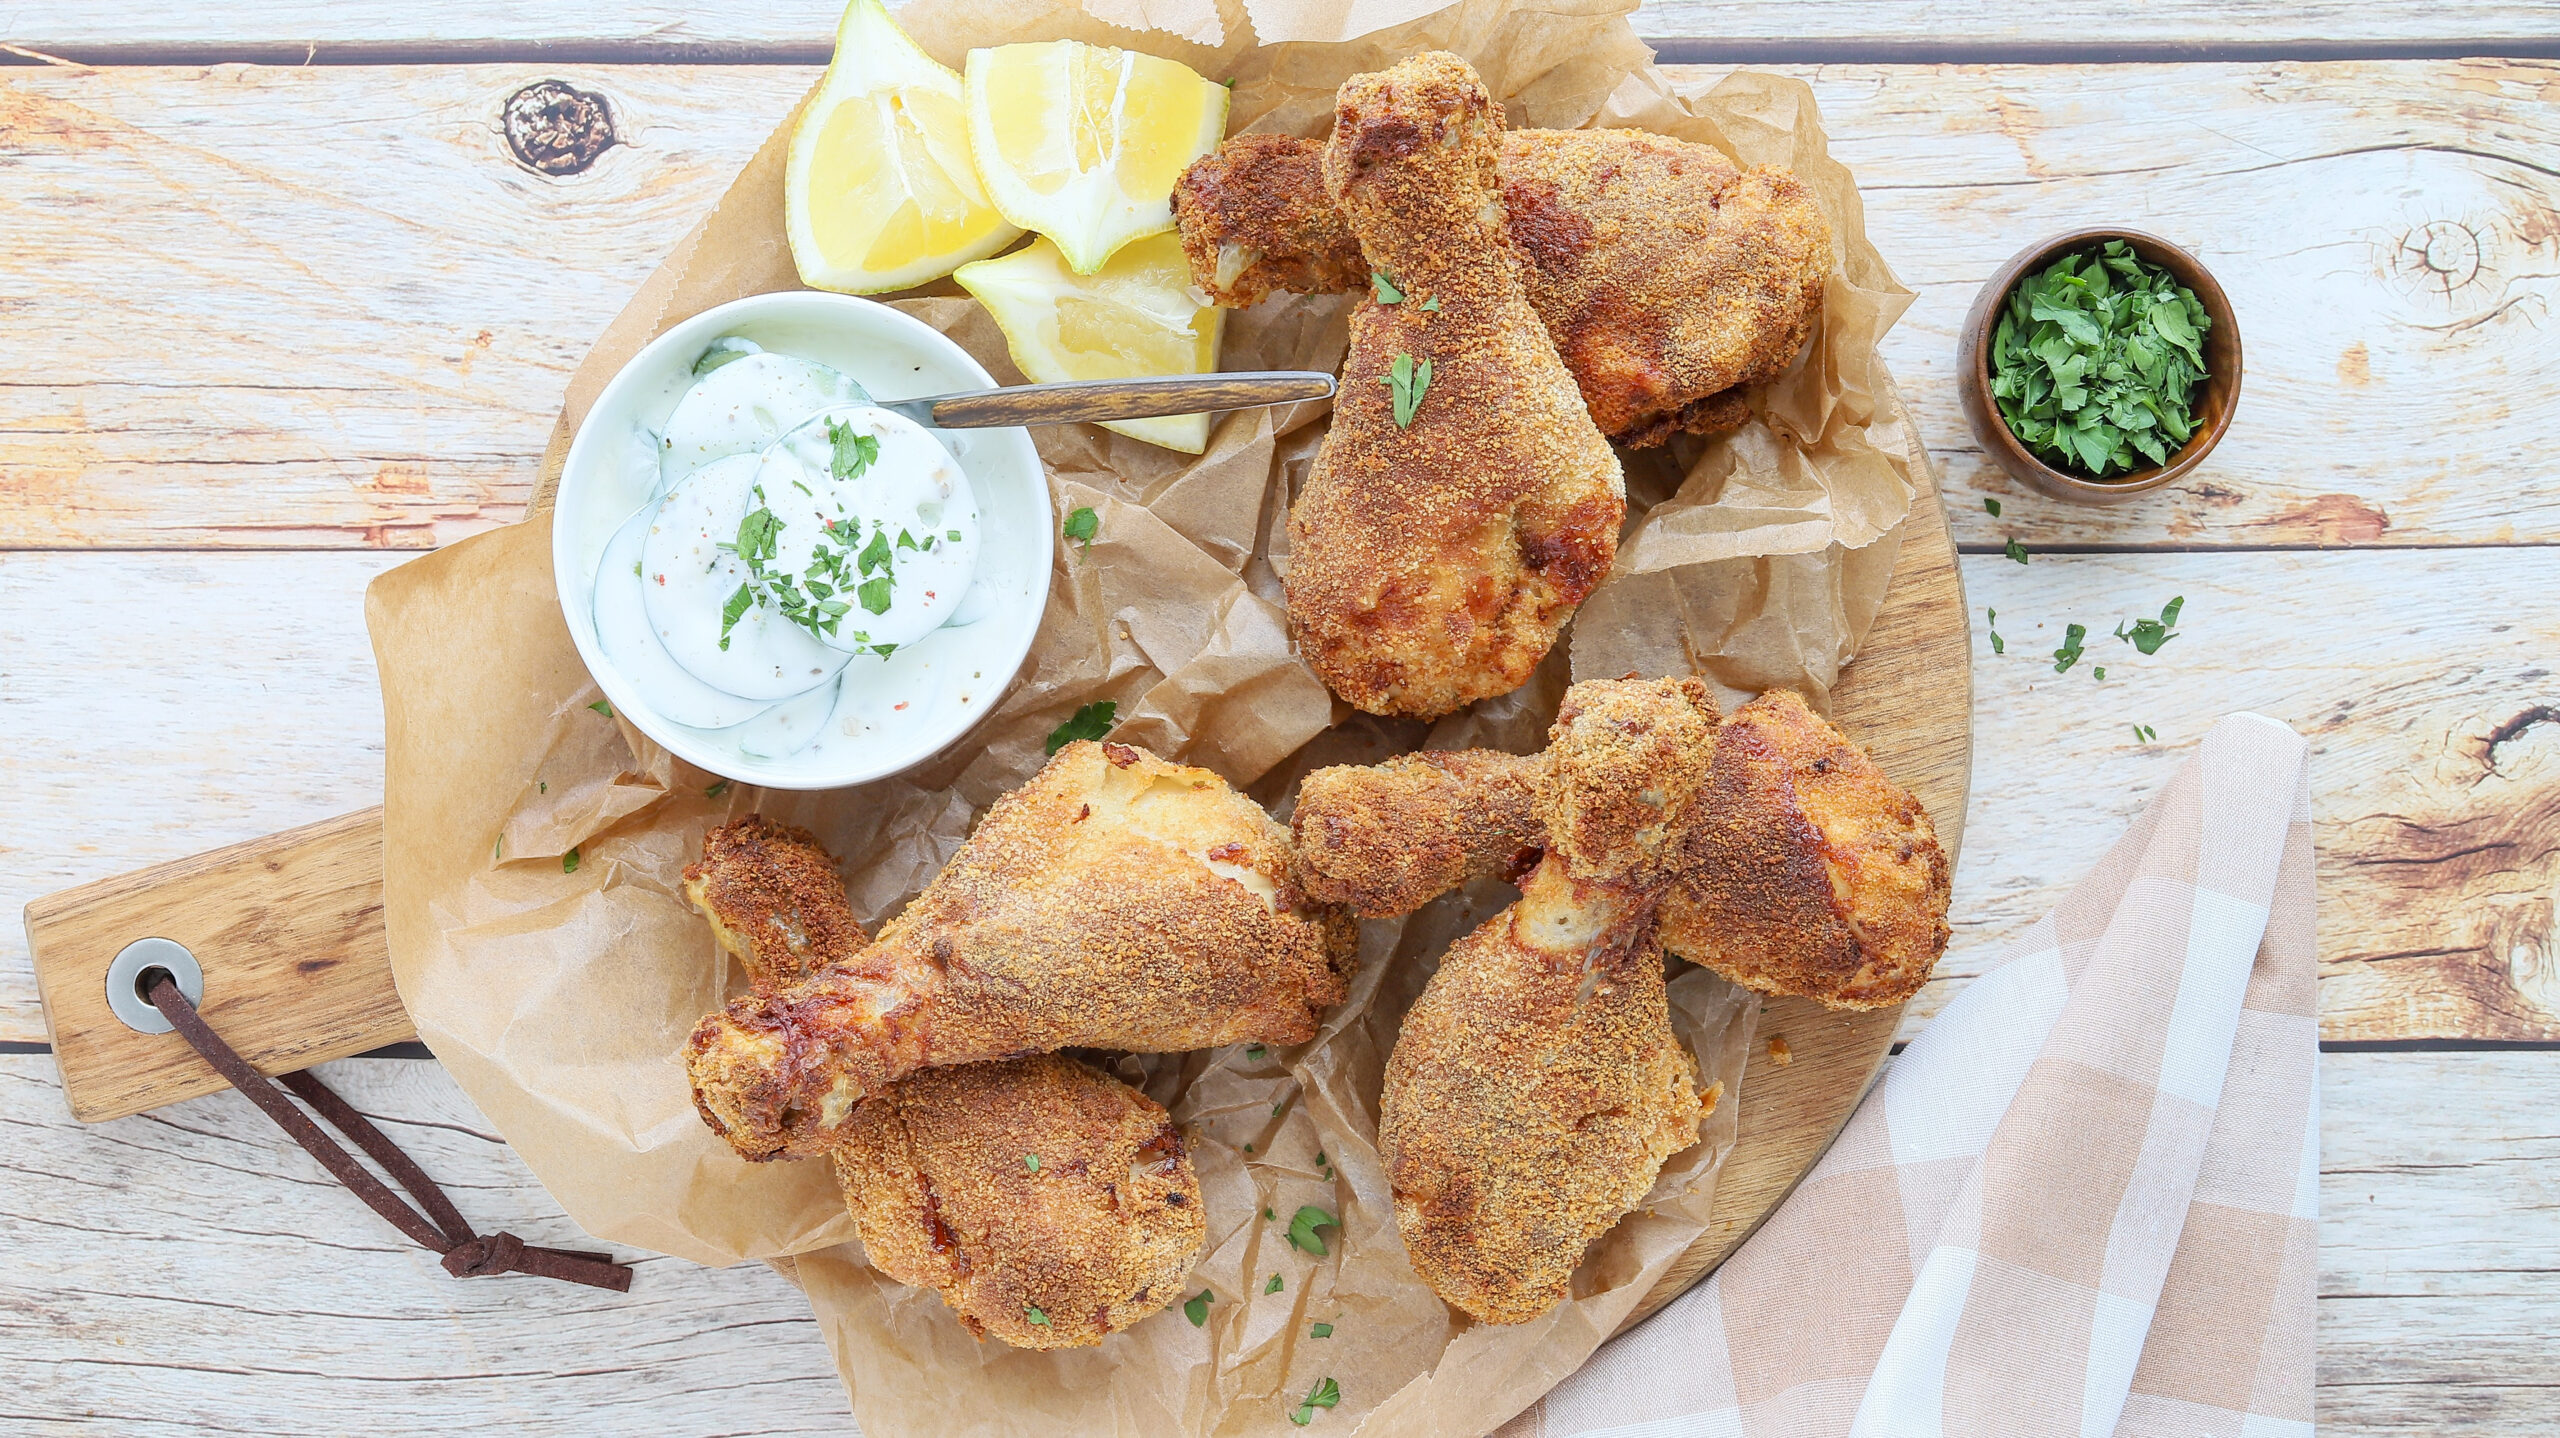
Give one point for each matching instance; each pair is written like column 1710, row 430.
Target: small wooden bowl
column 2214, row 403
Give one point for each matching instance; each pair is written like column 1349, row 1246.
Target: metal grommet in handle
column 124, row 976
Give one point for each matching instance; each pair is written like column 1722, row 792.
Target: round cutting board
column 1908, row 701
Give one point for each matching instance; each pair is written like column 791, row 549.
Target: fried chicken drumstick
column 1536, row 1088
column 1668, row 278
column 1098, row 1236
column 1463, row 503
column 1114, row 901
column 1803, row 869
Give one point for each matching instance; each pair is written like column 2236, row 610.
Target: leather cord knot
column 441, row 1228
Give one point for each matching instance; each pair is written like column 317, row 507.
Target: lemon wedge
column 1083, row 143
column 1135, row 316
column 881, row 193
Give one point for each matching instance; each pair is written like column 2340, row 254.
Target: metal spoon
column 1100, row 399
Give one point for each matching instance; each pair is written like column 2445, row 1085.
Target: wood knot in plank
column 554, row 128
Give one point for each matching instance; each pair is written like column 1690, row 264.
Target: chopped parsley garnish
column 2145, row 733
column 1991, row 506
column 1384, row 288
column 952, row 535
column 2096, row 360
column 2148, row 635
column 1321, row 1330
column 876, row 554
column 758, row 535
column 1035, row 1315
column 1267, row 1213
column 1196, row 1308
column 1273, row 1286
column 1432, row 304
column 716, row 790
column 603, row 708
column 735, row 610
column 2069, row 653
column 1255, row 1051
column 1090, row 722
column 1323, row 1395
column 569, row 862
column 1082, row 525
column 874, row 594
column 1991, row 617
column 853, row 453
column 1277, row 1107
column 1302, row 1229
column 2098, row 672
column 2015, row 550
column 1320, row 1156
column 1031, row 1161
column 1408, row 380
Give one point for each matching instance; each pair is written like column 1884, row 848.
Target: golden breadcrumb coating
column 1536, row 1088
column 1804, row 870
column 1669, row 279
column 1385, row 839
column 1431, row 564
column 774, row 898
column 939, row 1171
column 1114, row 901
column 1809, row 872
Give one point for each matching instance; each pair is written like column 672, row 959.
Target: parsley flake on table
column 1255, row 1051
column 2099, row 673
column 2148, row 635
column 2015, row 550
column 1196, row 1308
column 1035, row 1315
column 1082, row 525
column 569, row 862
column 716, row 790
column 1408, row 380
column 1321, row 1330
column 2096, row 361
column 603, row 708
column 2145, row 733
column 1323, row 1395
column 1991, row 506
column 1090, row 722
column 1990, row 618
column 1273, row 1286
column 2069, row 653
column 1384, row 288
column 1302, row 1229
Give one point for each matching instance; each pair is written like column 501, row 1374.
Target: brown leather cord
column 466, row 1254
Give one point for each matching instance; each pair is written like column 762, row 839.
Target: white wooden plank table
column 270, row 323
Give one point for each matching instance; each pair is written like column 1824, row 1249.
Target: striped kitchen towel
column 2083, row 1201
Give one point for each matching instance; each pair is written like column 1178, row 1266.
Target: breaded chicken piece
column 1432, row 562
column 1668, row 279
column 1805, row 872
column 1536, row 1088
column 1114, row 901
column 1385, row 839
column 933, row 1166
column 1808, row 871
column 1050, row 1205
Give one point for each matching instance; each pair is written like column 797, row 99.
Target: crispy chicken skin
column 1432, row 565
column 1536, row 1088
column 1804, row 871
column 774, row 898
column 937, row 1171
column 1114, row 901
column 1668, row 279
column 1385, row 839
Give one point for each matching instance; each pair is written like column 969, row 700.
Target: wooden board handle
column 1074, row 401
column 289, row 931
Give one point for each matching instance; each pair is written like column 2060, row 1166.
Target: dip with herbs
column 2097, row 360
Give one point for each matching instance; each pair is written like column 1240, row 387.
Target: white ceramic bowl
column 612, row 471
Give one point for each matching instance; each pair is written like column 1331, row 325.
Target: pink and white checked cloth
column 2083, row 1201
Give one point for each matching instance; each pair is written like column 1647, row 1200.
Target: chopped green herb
column 1255, row 1051
column 716, row 790
column 952, row 535
column 1991, row 506
column 2148, row 635
column 735, row 610
column 1991, row 617
column 722, row 351
column 1035, row 1315
column 874, row 594
column 1273, row 1286
column 2145, row 733
column 2015, row 550
column 1267, row 1213
column 854, row 453
column 1031, row 1161
column 1277, row 1107
column 758, row 534
column 2069, row 653
column 1384, row 288
column 1302, row 1229
column 906, row 540
column 2096, row 361
column 1432, row 304
column 1320, row 1156
column 2098, row 672
column 498, row 854
column 603, row 708
column 876, row 555
column 569, row 862
column 1196, row 1308
column 1082, row 525
column 1323, row 1395
column 1321, row 1330
column 1248, row 1148
column 635, row 569
column 1092, row 721
column 543, row 786
column 1408, row 380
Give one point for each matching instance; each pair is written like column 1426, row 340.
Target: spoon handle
column 1100, row 399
